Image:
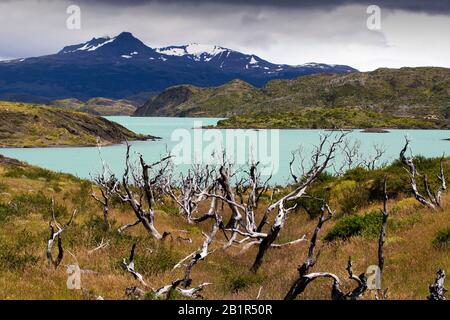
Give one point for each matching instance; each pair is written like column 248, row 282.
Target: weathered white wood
column 53, row 224
column 437, row 289
column 129, row 266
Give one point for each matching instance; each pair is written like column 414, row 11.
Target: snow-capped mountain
column 123, row 66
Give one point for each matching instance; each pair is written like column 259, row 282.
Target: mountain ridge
column 123, row 66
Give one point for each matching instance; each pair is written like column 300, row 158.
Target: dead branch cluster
column 431, row 200
column 235, row 196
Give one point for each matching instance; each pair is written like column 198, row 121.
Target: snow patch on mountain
column 93, row 48
column 198, row 52
column 92, row 45
column 253, row 60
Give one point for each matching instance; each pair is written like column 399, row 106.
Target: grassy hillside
column 331, row 118
column 188, row 100
column 26, row 125
column 98, row 106
column 422, row 92
column 417, row 242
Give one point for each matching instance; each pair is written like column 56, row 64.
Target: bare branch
column 56, row 234
column 129, row 267
column 202, row 252
column 412, row 171
column 103, row 244
column 437, row 290
column 381, row 239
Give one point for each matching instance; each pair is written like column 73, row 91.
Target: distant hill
column 98, row 106
column 423, row 92
column 25, row 125
column 123, row 67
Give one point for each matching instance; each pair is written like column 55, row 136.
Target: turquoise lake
column 84, row 161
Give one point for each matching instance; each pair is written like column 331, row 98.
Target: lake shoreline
column 175, row 133
column 90, row 145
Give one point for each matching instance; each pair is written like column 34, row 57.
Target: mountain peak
column 122, row 45
column 126, row 35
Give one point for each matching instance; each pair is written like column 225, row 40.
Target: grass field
column 417, row 242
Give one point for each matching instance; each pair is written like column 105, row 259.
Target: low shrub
column 350, row 196
column 235, row 282
column 34, row 173
column 18, row 253
column 163, row 259
column 442, row 238
column 367, row 225
column 26, row 203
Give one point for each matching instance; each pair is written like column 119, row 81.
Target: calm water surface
column 83, row 161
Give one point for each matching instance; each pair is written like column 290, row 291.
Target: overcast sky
column 413, row 33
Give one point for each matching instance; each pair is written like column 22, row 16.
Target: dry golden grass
column 411, row 259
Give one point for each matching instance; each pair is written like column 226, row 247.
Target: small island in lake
column 330, row 118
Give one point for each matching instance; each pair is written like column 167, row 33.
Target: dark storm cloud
column 331, row 31
column 431, row 6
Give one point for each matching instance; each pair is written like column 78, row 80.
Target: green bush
column 164, row 259
column 26, row 203
column 442, row 238
column 34, row 173
column 3, row 187
column 311, row 206
column 353, row 199
column 368, row 226
column 10, row 259
column 95, row 229
column 235, row 282
column 18, row 253
column 81, row 198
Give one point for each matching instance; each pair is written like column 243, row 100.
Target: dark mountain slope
column 123, row 66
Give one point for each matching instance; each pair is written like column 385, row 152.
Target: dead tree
column 56, row 230
column 371, row 162
column 437, row 290
column 351, row 152
column 189, row 293
column 200, row 254
column 381, row 240
column 300, row 284
column 147, row 183
column 243, row 222
column 130, row 268
column 244, row 209
column 191, row 190
column 306, row 278
column 382, row 294
column 433, row 201
column 166, row 290
column 320, row 161
column 238, row 226
column 107, row 183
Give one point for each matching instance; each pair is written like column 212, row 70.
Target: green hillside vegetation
column 98, row 106
column 330, row 118
column 188, row 100
column 420, row 92
column 29, row 125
